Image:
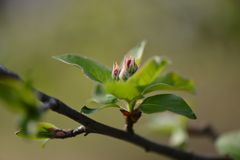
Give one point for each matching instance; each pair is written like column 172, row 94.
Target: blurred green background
column 202, row 38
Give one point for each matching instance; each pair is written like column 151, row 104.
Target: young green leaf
column 104, row 99
column 43, row 130
column 229, row 144
column 19, row 97
column 87, row 110
column 171, row 81
column 149, row 72
column 92, row 69
column 122, row 90
column 167, row 102
column 101, row 97
column 137, row 52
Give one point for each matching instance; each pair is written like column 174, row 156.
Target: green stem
column 131, row 105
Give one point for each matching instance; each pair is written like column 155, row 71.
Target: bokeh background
column 202, row 38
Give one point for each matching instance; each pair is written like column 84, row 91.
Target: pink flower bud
column 115, row 71
column 129, row 67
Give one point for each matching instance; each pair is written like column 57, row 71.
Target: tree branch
column 62, row 133
column 92, row 126
column 202, row 129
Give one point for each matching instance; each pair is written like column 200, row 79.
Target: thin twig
column 99, row 128
column 92, row 126
column 62, row 133
column 201, row 130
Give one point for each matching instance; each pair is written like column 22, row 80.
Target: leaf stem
column 131, row 105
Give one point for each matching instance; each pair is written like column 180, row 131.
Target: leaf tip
column 54, row 57
column 193, row 116
column 86, row 110
column 17, row 133
column 59, row 58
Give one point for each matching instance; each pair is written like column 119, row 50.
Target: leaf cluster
column 138, row 91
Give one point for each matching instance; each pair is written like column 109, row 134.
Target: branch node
column 131, row 118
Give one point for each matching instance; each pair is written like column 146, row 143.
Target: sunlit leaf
column 229, row 144
column 91, row 68
column 137, row 52
column 171, row 81
column 87, row 110
column 122, row 90
column 167, row 102
column 149, row 72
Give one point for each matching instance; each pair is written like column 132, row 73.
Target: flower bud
column 115, row 71
column 129, row 67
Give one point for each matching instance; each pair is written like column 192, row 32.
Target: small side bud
column 115, row 71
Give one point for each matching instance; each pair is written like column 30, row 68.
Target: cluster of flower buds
column 129, row 67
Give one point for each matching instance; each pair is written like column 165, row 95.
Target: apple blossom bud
column 129, row 67
column 115, row 71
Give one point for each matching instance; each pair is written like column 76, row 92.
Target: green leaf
column 101, row 97
column 42, row 130
column 137, row 52
column 16, row 94
column 19, row 97
column 87, row 110
column 229, row 144
column 171, row 81
column 105, row 99
column 92, row 69
column 149, row 72
column 122, row 90
column 167, row 102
